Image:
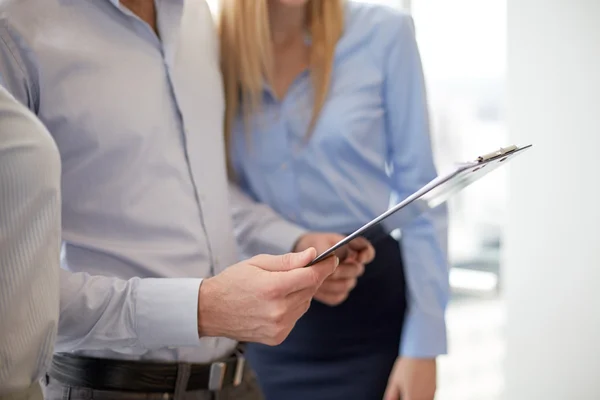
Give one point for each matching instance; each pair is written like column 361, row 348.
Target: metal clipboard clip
column 498, row 153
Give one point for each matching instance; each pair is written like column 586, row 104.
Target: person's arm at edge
column 424, row 242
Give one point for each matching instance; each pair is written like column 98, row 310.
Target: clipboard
column 436, row 192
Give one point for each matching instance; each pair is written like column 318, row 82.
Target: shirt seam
column 11, row 50
column 136, row 316
column 10, row 45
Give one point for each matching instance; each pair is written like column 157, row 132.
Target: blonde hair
column 247, row 55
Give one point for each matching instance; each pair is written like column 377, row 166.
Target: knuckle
column 277, row 315
column 340, row 298
column 351, row 270
column 307, row 305
column 335, row 300
column 271, row 292
column 327, row 301
column 351, row 284
column 287, row 261
column 316, row 279
column 277, row 334
column 343, row 286
column 336, row 275
column 361, row 270
column 281, row 334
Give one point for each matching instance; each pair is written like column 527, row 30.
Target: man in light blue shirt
column 30, row 277
column 131, row 93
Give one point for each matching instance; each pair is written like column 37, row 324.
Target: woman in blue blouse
column 326, row 122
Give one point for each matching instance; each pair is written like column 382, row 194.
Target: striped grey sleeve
column 29, row 244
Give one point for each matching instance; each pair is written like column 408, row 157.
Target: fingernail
column 337, row 261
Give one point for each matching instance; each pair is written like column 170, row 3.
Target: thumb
column 392, row 392
column 285, row 262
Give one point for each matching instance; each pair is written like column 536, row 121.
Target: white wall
column 552, row 263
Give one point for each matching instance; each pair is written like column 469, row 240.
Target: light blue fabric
column 138, row 120
column 371, row 144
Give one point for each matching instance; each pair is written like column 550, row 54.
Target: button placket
column 200, row 197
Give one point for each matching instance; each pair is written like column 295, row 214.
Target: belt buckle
column 217, row 376
column 239, row 369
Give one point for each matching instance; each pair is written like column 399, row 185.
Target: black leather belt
column 141, row 376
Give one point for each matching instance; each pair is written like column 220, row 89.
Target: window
column 463, row 51
column 213, row 5
column 462, row 45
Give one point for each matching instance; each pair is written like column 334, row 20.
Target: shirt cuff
column 280, row 237
column 424, row 336
column 166, row 312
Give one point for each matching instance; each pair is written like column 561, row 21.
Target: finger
column 305, row 278
column 325, row 268
column 392, row 392
column 336, row 287
column 320, row 241
column 347, row 270
column 342, row 253
column 364, row 248
column 350, row 254
column 299, row 297
column 366, row 256
column 285, row 262
column 359, row 243
column 331, row 299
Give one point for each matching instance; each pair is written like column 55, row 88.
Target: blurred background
column 466, row 78
column 524, row 319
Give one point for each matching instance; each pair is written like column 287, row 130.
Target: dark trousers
column 343, row 352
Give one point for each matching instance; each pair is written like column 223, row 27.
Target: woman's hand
column 353, row 258
column 412, row 379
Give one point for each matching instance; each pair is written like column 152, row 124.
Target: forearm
column 424, row 247
column 258, row 228
column 98, row 312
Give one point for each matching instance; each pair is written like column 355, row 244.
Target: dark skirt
column 343, row 352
